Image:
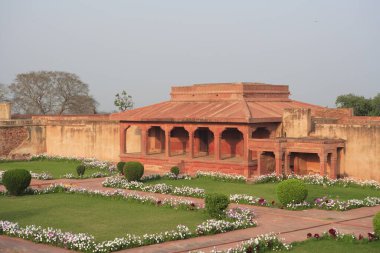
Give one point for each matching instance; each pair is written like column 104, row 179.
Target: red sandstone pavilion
column 242, row 128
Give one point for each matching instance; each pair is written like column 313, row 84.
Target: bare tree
column 4, row 92
column 51, row 92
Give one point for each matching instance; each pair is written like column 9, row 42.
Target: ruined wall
column 296, row 122
column 83, row 138
column 10, row 138
column 361, row 157
column 5, row 111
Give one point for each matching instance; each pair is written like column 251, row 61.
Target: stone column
column 322, row 162
column 287, row 163
column 217, row 140
column 333, row 169
column 144, row 140
column 278, row 158
column 191, row 143
column 167, row 141
column 123, row 129
column 259, row 163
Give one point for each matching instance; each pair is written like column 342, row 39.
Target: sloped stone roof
column 222, row 102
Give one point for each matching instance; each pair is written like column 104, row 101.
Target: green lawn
column 268, row 190
column 56, row 168
column 102, row 217
column 327, row 246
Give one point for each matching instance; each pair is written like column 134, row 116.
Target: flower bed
column 334, row 234
column 248, row 199
column 117, row 182
column 261, row 243
column 88, row 162
column 221, row 176
column 317, row 179
column 235, row 219
column 320, row 203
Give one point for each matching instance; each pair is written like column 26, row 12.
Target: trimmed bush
column 120, row 167
column 175, row 170
column 216, row 204
column 376, row 224
column 80, row 170
column 16, row 181
column 133, row 171
column 291, row 190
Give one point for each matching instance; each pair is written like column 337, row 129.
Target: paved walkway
column 291, row 225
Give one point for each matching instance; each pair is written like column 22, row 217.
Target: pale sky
column 321, row 48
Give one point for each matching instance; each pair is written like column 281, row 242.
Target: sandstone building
column 241, row 128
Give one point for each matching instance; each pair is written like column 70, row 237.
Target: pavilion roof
column 232, row 103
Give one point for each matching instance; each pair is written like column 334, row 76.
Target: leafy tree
column 123, row 101
column 51, row 92
column 361, row 105
column 376, row 105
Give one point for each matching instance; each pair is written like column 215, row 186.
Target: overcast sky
column 321, row 49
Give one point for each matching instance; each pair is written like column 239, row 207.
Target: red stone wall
column 11, row 138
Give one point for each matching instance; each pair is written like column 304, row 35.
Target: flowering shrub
column 248, row 199
column 150, row 177
column 334, row 234
column 317, row 179
column 331, row 204
column 240, row 218
column 221, row 176
column 261, row 243
column 41, row 176
column 68, row 176
column 116, row 182
column 1, row 175
column 81, row 242
column 170, row 175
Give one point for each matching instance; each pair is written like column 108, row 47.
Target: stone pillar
column 333, row 169
column 278, row 158
column 123, row 129
column 191, row 143
column 287, row 163
column 144, row 140
column 259, row 163
column 167, row 141
column 217, row 140
column 322, row 162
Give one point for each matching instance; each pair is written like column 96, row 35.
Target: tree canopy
column 123, row 101
column 362, row 106
column 51, row 92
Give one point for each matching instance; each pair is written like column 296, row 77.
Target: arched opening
column 132, row 140
column 179, row 141
column 261, row 133
column 232, row 144
column 203, row 142
column 156, row 140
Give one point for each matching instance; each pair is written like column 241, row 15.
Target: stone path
column 290, row 225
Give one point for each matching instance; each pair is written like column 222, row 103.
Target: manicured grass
column 327, row 246
column 56, row 168
column 268, row 190
column 102, row 217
